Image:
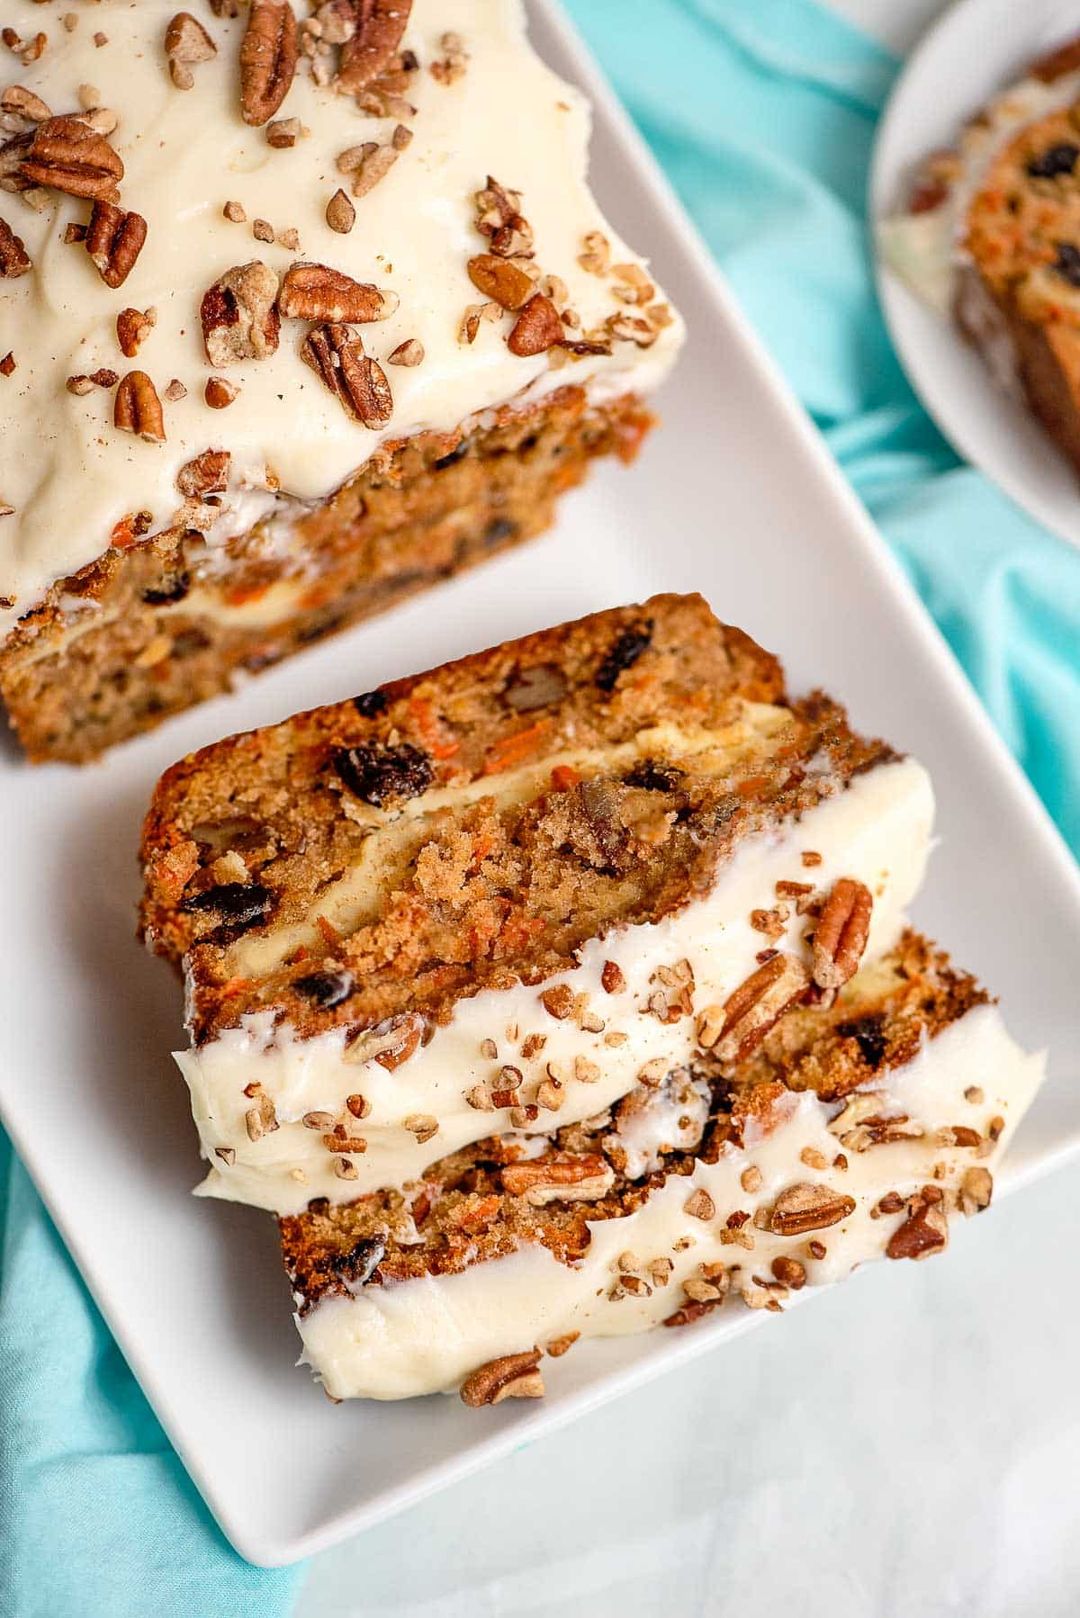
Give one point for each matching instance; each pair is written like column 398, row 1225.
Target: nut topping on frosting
column 137, row 408
column 499, row 279
column 337, row 357
column 114, row 240
column 268, row 56
column 132, row 327
column 186, row 43
column 14, row 259
column 239, row 315
column 841, row 934
column 207, row 473
column 807, row 1207
column 314, row 292
column 536, row 329
column 512, row 1376
column 377, row 27
column 66, row 154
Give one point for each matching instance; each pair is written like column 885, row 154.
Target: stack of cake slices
column 568, row 990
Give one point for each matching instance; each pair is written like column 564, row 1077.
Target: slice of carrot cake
column 501, row 895
column 856, row 1130
column 303, row 307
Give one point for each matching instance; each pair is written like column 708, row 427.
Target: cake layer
column 359, row 204
column 496, row 892
column 754, row 1186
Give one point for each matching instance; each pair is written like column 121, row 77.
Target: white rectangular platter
column 735, row 496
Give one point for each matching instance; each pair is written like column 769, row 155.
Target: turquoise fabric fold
column 762, row 112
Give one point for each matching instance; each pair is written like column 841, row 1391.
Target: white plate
column 976, row 49
column 735, row 496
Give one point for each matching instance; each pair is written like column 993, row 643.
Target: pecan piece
column 131, row 329
column 314, row 292
column 924, row 1231
column 755, row 1007
column 207, row 473
column 68, row 155
column 976, row 1191
column 555, row 1179
column 511, row 1376
column 377, row 29
column 536, row 329
column 806, row 1207
column 499, row 279
column 268, row 56
column 239, row 315
column 114, row 240
column 841, row 933
column 14, row 259
column 337, row 357
column 137, row 408
column 186, row 42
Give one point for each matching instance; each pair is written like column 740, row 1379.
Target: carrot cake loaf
column 470, row 901
column 854, row 1131
column 990, row 235
column 303, row 307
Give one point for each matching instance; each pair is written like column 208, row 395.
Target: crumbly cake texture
column 704, row 1188
column 364, row 362
column 996, row 221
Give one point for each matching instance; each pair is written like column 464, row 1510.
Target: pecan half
column 512, row 1376
column 377, row 29
column 554, row 1179
column 14, row 259
column 924, row 1231
column 536, row 329
column 239, row 315
column 499, row 279
column 755, row 1007
column 114, row 240
column 207, row 473
column 21, row 109
column 186, row 42
column 137, row 408
column 806, row 1207
column 268, row 56
column 841, row 933
column 314, row 292
column 337, row 356
column 69, row 156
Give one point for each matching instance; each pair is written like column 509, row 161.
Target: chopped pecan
column 408, row 353
column 205, row 474
column 806, row 1207
column 219, row 393
column 186, row 42
column 559, row 1179
column 137, row 408
column 239, row 315
column 536, row 329
column 377, row 29
column 976, row 1190
column 14, row 259
column 501, row 280
column 114, row 240
column 841, row 933
column 131, row 329
column 315, row 292
column 69, row 156
column 268, row 56
column 21, row 109
column 336, row 355
column 789, row 1272
column 924, row 1231
column 340, row 213
column 755, row 1007
column 512, row 1376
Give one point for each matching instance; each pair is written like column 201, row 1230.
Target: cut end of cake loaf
column 859, row 1130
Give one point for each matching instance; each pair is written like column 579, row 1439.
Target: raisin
column 1058, row 160
column 326, row 988
column 1068, row 263
column 241, row 904
column 173, row 588
column 653, row 777
column 369, row 704
column 869, row 1034
column 624, row 654
column 376, row 773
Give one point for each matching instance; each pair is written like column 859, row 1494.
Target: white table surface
column 728, row 1491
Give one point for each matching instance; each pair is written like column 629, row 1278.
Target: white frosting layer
column 877, row 830
column 423, row 1336
column 925, row 249
column 69, row 474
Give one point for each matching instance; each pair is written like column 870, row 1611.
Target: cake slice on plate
column 491, row 897
column 854, row 1131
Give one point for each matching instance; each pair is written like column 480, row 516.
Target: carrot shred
column 516, row 748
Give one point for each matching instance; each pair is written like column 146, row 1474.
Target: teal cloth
column 763, row 113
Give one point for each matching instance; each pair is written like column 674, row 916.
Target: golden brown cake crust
column 469, row 1207
column 243, row 839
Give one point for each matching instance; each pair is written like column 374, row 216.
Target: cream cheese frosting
column 876, row 830
column 70, row 475
column 425, row 1335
